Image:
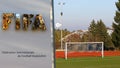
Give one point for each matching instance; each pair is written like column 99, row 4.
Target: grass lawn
column 89, row 62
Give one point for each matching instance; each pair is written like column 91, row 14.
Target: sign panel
column 26, row 34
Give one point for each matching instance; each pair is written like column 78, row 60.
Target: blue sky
column 79, row 13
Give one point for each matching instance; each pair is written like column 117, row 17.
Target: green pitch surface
column 89, row 62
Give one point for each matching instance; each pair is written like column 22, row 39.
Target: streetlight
column 61, row 14
column 58, row 25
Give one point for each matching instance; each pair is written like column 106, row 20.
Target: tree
column 103, row 35
column 87, row 37
column 92, row 29
column 58, row 36
column 116, row 26
column 99, row 33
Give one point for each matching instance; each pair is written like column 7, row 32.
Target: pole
column 102, row 50
column 61, row 14
column 66, row 51
column 61, row 39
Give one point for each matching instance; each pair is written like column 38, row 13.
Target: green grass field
column 89, row 62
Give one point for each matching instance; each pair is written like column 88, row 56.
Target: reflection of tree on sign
column 6, row 20
column 39, row 23
column 42, row 24
column 25, row 21
column 36, row 23
column 17, row 22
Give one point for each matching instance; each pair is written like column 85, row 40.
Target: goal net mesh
column 85, row 48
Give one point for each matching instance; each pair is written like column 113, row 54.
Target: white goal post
column 84, row 47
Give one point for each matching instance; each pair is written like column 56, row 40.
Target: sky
column 77, row 14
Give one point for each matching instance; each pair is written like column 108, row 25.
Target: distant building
column 76, row 36
column 109, row 30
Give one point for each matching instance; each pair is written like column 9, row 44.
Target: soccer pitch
column 89, row 62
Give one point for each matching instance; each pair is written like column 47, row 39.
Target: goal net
column 76, row 49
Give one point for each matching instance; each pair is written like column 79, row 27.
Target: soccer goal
column 84, row 48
